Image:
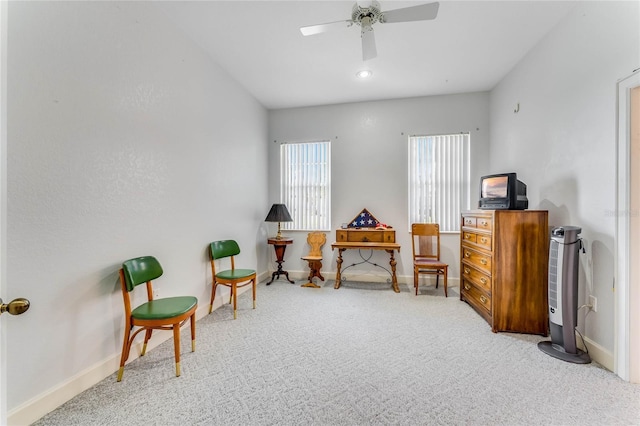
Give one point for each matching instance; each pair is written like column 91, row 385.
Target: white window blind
column 305, row 185
column 438, row 179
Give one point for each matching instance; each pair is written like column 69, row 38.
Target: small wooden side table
column 280, row 245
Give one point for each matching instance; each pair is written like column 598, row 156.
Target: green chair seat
column 164, row 308
column 235, row 274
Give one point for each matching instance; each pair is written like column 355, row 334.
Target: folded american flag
column 363, row 220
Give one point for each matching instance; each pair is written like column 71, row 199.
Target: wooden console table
column 388, row 247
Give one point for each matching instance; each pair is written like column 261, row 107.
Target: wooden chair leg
column 314, row 271
column 213, row 296
column 147, row 336
column 176, row 346
column 437, row 277
column 235, row 300
column 311, row 272
column 253, row 285
column 193, row 332
column 126, row 347
column 445, row 282
column 415, row 280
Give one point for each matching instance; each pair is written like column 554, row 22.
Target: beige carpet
column 359, row 355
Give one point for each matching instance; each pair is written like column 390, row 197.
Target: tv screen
column 502, row 191
column 495, row 187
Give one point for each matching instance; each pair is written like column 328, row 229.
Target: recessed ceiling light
column 364, row 74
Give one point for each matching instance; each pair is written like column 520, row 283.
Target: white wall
column 562, row 142
column 369, row 166
column 124, row 139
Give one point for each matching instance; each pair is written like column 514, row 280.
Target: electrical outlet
column 594, row 303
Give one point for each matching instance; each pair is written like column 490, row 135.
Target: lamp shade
column 278, row 213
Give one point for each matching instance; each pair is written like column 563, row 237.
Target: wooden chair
column 232, row 278
column 315, row 240
column 425, row 242
column 160, row 314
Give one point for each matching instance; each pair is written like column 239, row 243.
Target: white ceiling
column 469, row 47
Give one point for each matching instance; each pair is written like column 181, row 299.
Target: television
column 502, row 191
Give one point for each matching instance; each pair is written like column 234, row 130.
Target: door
column 627, row 283
column 17, row 306
column 3, row 202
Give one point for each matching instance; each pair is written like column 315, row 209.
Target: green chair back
column 224, row 248
column 140, row 270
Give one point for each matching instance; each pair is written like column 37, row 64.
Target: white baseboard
column 39, row 406
column 48, row 401
column 597, row 353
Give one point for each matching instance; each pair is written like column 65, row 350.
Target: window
column 305, row 185
column 438, row 179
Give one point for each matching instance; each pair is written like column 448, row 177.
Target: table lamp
column 278, row 213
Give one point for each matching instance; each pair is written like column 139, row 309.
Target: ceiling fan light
column 364, row 73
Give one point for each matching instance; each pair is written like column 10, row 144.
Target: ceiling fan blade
column 323, row 28
column 368, row 45
column 423, row 12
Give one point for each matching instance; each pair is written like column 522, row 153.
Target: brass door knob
column 15, row 307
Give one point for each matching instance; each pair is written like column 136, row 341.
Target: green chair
column 168, row 313
column 233, row 278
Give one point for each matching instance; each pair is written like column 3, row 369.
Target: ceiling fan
column 367, row 13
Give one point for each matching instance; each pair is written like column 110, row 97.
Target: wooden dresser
column 504, row 262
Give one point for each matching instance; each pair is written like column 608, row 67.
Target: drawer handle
column 467, row 287
column 483, row 280
column 483, row 261
column 483, row 240
column 484, row 223
column 467, row 271
column 483, row 299
column 467, row 254
column 467, row 236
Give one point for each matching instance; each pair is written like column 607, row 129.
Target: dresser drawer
column 476, row 296
column 469, row 237
column 476, row 276
column 469, row 221
column 366, row 235
column 483, row 240
column 484, row 223
column 478, row 259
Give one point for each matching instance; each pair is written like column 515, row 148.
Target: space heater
column 564, row 248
